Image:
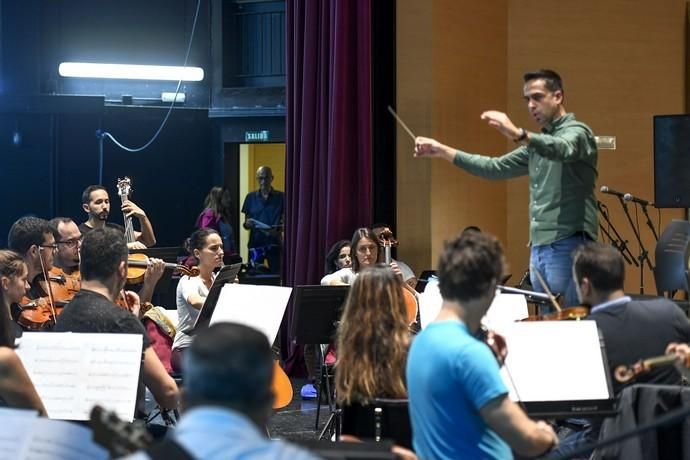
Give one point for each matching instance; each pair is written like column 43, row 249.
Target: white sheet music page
column 503, row 311
column 73, row 372
column 25, row 436
column 260, row 307
column 554, row 361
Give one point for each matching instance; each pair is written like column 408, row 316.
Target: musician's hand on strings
column 136, row 245
column 682, row 352
column 396, row 269
column 154, row 271
column 425, row 147
column 502, row 123
column 132, row 210
column 133, row 302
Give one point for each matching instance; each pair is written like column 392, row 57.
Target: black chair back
column 671, row 258
column 387, row 419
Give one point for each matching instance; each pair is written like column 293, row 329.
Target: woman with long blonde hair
column 373, row 339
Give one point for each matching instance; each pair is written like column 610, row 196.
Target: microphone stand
column 617, row 240
column 650, row 224
column 643, row 257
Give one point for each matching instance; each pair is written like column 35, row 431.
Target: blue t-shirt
column 268, row 211
column 450, row 377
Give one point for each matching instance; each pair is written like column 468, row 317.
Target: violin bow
column 47, row 279
column 545, row 287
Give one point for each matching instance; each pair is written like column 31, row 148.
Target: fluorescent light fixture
column 130, row 71
column 168, row 97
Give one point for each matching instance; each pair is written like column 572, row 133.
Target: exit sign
column 256, row 136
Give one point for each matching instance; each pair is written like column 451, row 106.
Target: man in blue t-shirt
column 263, row 217
column 459, row 405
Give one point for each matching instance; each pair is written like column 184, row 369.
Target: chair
column 381, row 419
column 643, row 404
column 671, row 258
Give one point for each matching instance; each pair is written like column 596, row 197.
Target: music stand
column 317, row 311
column 227, row 274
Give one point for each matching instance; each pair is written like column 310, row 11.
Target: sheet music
column 25, row 436
column 72, row 372
column 504, row 310
column 260, row 307
column 554, row 361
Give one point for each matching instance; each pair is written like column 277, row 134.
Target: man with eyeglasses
column 263, row 217
column 68, row 241
column 34, row 240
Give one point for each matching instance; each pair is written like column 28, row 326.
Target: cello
column 411, row 305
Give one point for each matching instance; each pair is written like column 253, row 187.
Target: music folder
column 558, row 369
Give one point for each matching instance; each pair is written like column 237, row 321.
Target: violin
column 64, row 286
column 36, row 314
column 624, row 374
column 387, row 241
column 138, row 263
column 560, row 314
column 496, row 343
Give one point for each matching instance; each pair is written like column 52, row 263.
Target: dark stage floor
column 296, row 421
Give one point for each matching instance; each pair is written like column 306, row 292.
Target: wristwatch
column 522, row 136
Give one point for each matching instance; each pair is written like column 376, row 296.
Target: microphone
column 610, row 191
column 634, row 199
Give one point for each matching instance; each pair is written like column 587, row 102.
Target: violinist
column 459, row 406
column 103, row 270
column 632, row 330
column 96, row 203
column 16, row 388
column 68, row 240
column 33, row 238
column 206, row 246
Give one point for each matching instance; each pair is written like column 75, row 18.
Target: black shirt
column 84, row 229
column 639, row 330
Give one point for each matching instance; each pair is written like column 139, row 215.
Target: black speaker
column 672, row 161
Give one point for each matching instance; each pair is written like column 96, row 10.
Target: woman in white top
column 206, row 246
column 365, row 247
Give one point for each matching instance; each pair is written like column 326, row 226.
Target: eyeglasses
column 70, row 243
column 50, row 246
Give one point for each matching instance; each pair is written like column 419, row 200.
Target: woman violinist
column 206, row 246
column 16, row 388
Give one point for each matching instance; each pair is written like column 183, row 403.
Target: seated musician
column 373, row 339
column 206, row 246
column 68, row 239
column 227, row 399
column 96, row 204
column 16, row 388
column 103, row 274
column 632, row 329
column 459, row 406
column 366, row 253
column 34, row 240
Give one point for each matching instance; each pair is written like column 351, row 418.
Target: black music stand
column 227, row 274
column 317, row 313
